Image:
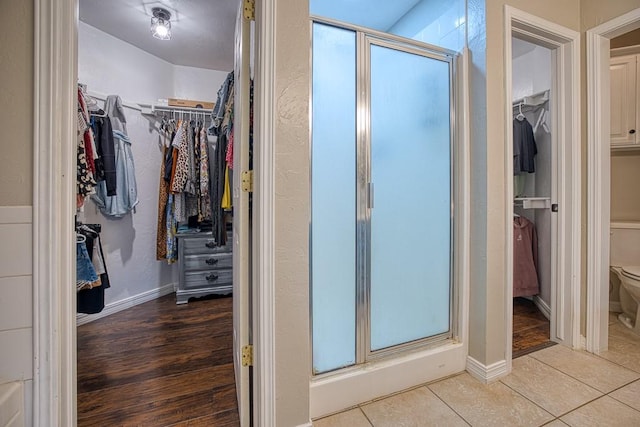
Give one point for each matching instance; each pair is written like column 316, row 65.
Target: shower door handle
column 370, row 195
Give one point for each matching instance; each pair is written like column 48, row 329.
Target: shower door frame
column 394, row 368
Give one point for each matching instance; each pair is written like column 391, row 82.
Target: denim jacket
column 126, row 197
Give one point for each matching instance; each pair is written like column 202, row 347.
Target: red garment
column 525, row 258
column 88, row 133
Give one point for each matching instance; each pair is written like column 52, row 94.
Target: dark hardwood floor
column 530, row 328
column 159, row 364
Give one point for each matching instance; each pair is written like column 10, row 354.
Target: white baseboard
column 132, row 301
column 486, row 374
column 542, row 306
column 582, row 344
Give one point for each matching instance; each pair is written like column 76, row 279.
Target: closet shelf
column 533, row 202
column 532, row 100
column 152, row 109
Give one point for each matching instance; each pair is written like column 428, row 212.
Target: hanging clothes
column 525, row 258
column 196, row 177
column 226, row 195
column 163, row 194
column 219, row 108
column 90, row 299
column 106, row 154
column 126, row 197
column 524, row 147
column 85, row 164
column 115, row 110
column 205, row 198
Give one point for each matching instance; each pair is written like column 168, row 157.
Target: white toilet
column 625, row 264
column 629, row 296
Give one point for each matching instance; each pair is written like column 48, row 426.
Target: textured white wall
column 110, row 66
column 197, row 83
column 532, row 72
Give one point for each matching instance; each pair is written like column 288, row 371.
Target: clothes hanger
column 520, row 116
column 541, row 120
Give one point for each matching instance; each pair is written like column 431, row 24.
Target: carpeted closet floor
column 159, row 364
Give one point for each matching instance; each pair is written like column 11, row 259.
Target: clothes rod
column 153, row 108
column 103, row 97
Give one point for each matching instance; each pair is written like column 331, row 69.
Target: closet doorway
column 534, row 220
column 543, row 180
column 181, row 266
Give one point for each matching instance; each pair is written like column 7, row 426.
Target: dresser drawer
column 202, row 246
column 208, row 261
column 211, row 278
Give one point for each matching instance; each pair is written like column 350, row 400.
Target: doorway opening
column 534, row 222
column 542, row 201
column 611, row 140
column 181, row 109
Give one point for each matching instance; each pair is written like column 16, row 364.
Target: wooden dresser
column 204, row 267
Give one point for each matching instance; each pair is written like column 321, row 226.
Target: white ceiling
column 202, row 30
column 520, row 47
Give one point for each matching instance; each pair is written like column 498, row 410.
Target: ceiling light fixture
column 161, row 24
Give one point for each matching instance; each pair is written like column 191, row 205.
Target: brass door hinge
column 249, row 10
column 247, row 355
column 247, row 181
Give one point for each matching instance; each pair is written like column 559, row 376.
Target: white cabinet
column 624, row 72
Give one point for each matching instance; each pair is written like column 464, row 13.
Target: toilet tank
column 624, row 244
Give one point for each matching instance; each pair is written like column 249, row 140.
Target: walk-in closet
column 156, row 211
column 533, row 195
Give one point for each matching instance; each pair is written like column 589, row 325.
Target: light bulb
column 161, row 31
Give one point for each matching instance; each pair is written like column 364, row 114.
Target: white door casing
column 565, row 46
column 54, row 326
column 54, row 155
column 598, row 179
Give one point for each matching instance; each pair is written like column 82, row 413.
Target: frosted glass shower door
column 333, row 200
column 410, row 214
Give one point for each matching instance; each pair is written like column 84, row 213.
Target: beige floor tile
column 603, row 412
column 629, row 394
column 624, row 347
column 547, row 387
column 556, row 423
column 352, row 418
column 415, row 408
column 488, row 405
column 594, row 371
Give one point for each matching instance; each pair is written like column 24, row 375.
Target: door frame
column 565, row 297
column 54, row 318
column 598, row 183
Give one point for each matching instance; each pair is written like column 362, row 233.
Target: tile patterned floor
column 551, row 387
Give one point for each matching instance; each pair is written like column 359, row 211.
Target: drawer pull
column 210, row 245
column 211, row 261
column 211, row 277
